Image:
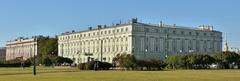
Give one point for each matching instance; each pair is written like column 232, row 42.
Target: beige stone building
column 2, row 54
column 144, row 41
column 21, row 48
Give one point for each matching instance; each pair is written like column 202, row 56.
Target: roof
column 134, row 21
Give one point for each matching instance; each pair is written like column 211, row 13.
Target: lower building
column 2, row 54
column 21, row 48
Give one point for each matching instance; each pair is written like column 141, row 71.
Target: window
column 126, row 29
column 156, row 49
column 109, row 31
column 146, row 29
column 121, row 48
column 182, row 32
column 212, row 34
column 190, row 33
column 117, row 30
column 105, row 32
column 156, row 30
column 122, row 30
column 197, row 33
column 205, row 34
column 113, row 31
column 165, row 31
column 174, row 32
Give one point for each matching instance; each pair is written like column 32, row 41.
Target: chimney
column 160, row 24
column 99, row 26
column 105, row 26
column 134, row 20
column 211, row 28
column 174, row 25
column 89, row 28
column 73, row 31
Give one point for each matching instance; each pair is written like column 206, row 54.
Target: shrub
column 94, row 65
column 150, row 64
column 61, row 60
column 16, row 63
column 47, row 61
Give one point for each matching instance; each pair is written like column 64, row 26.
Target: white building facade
column 2, row 54
column 144, row 41
column 21, row 48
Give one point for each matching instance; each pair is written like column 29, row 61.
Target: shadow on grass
column 24, row 73
column 13, row 74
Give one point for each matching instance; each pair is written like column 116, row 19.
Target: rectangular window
column 190, row 33
column 113, row 31
column 156, row 30
column 205, row 34
column 197, row 33
column 146, row 29
column 182, row 32
column 174, row 32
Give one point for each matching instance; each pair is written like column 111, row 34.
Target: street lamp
column 180, row 51
column 166, row 56
column 101, row 56
column 167, row 43
column 145, row 53
column 34, row 57
column 190, row 51
column 78, row 56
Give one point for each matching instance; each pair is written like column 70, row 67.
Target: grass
column 72, row 74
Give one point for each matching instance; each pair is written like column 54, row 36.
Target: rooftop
column 134, row 20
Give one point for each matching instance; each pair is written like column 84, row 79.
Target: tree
column 226, row 58
column 47, row 61
column 190, row 61
column 47, row 47
column 173, row 61
column 125, row 61
column 131, row 63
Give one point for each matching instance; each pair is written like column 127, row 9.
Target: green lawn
column 66, row 74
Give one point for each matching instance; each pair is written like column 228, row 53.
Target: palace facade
column 144, row 41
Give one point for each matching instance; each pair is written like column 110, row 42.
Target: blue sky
column 52, row 17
